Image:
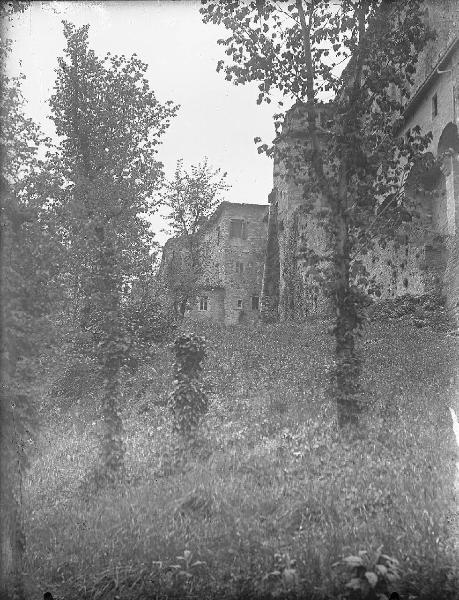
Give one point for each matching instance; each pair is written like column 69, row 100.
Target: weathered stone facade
column 232, row 247
column 424, row 257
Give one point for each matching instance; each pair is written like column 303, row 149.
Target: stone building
column 424, row 257
column 232, row 247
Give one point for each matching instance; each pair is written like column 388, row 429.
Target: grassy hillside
column 273, row 481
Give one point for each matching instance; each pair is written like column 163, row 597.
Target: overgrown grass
column 273, row 475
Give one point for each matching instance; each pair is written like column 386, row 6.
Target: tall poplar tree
column 356, row 169
column 110, row 124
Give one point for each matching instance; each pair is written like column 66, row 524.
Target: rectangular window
column 238, row 228
column 255, row 302
column 203, row 303
column 239, row 268
column 434, row 106
column 239, row 303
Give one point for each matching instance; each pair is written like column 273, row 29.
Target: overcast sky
column 216, row 119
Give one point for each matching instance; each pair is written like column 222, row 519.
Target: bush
column 423, row 311
column 188, row 401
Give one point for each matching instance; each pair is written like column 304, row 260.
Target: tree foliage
column 356, row 163
column 24, row 310
column 191, row 197
column 110, row 125
column 188, row 401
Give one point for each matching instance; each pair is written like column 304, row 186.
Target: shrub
column 427, row 310
column 188, row 401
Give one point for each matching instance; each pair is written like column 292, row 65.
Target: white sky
column 216, row 119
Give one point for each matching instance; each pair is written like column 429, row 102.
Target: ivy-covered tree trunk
column 188, row 400
column 346, row 372
column 113, row 448
column 109, row 355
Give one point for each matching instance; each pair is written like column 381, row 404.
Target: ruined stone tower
column 424, row 257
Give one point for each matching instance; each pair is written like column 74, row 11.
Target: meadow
column 274, row 495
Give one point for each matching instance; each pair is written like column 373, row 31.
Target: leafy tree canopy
column 193, row 195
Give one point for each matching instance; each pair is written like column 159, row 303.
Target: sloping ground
column 272, row 481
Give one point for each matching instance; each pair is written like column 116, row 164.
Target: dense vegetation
column 147, row 479
column 272, row 482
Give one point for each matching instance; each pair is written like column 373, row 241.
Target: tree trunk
column 113, row 449
column 11, row 526
column 347, row 363
column 110, row 354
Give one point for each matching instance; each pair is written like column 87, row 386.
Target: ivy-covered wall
column 271, row 272
column 414, row 262
column 424, row 255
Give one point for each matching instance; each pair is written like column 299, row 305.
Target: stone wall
column 301, row 292
column 229, row 286
column 420, row 109
column 443, row 17
column 214, row 306
column 249, row 252
column 424, row 255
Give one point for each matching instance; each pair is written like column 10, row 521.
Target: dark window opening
column 239, row 303
column 238, row 229
column 239, row 268
column 255, row 302
column 434, row 106
column 203, row 303
column 405, row 282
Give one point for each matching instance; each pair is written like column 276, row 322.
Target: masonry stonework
column 301, row 291
column 424, row 256
column 232, row 246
